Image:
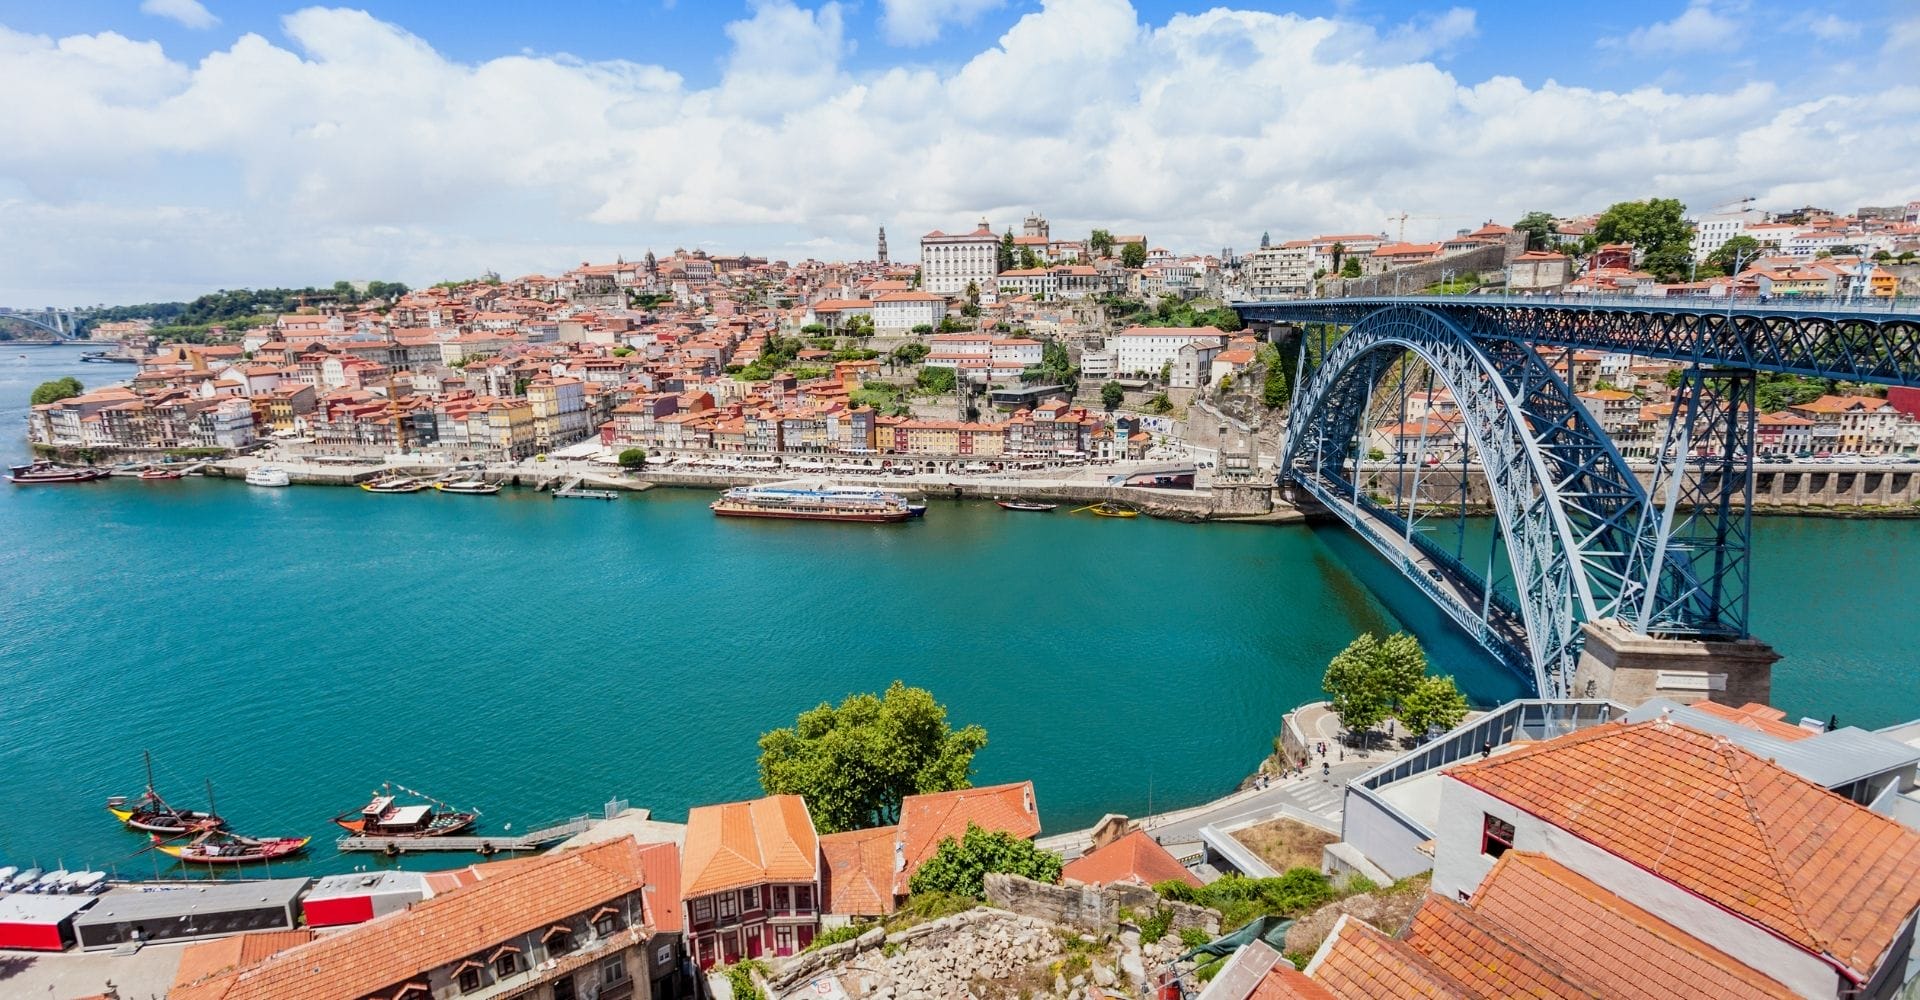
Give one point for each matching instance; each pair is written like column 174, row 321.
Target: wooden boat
column 1110, row 509
column 46, row 473
column 1025, row 505
column 155, row 472
column 215, row 848
column 584, row 494
column 383, row 817
column 475, row 487
column 149, row 813
column 397, row 484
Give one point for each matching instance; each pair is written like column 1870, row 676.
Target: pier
column 531, row 841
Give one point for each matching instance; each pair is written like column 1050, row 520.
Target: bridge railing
column 1788, row 304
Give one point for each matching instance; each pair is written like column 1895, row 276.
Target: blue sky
column 168, row 146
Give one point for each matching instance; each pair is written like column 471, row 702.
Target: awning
column 505, row 949
column 555, row 929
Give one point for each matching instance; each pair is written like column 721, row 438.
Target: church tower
column 883, row 245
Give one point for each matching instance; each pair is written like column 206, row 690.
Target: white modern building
column 1144, row 350
column 896, row 313
column 1712, row 231
column 951, row 262
column 1282, row 272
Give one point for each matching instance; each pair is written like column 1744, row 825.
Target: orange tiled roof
column 1136, row 857
column 1753, row 715
column 925, row 820
column 1284, row 982
column 205, row 959
column 739, row 844
column 1620, row 949
column 1483, row 958
column 379, row 954
column 859, row 871
column 1720, row 822
column 1360, row 963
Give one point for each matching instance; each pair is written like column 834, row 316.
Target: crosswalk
column 1322, row 798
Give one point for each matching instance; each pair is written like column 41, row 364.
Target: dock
column 531, row 841
column 573, row 490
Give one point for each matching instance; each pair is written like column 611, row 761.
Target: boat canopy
column 377, row 806
column 407, row 816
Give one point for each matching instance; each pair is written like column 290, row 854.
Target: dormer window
column 606, row 921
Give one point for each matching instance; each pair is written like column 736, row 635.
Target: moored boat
column 476, row 487
column 1025, row 505
column 383, row 816
column 90, row 882
column 396, row 484
column 816, row 504
column 50, row 882
column 155, row 472
column 149, row 813
column 214, row 848
column 1110, row 509
column 7, row 872
column 47, row 473
column 267, row 475
column 26, row 878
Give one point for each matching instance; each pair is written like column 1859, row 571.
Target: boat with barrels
column 217, row 848
column 814, row 504
column 396, row 484
column 149, row 813
column 153, row 472
column 47, row 473
column 385, row 816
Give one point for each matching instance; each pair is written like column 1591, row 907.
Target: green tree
column 1133, row 255
column 1166, row 371
column 1653, row 224
column 1160, row 403
column 910, row 352
column 814, row 330
column 1003, row 260
column 1539, row 228
column 855, row 762
column 1435, row 701
column 65, row 387
column 1100, row 244
column 922, row 329
column 1739, row 248
column 1111, row 395
column 1669, row 263
column 960, row 868
column 1351, row 269
column 1273, row 391
column 633, row 458
column 936, row 381
column 622, row 352
column 1028, row 259
column 1339, row 251
column 1368, row 679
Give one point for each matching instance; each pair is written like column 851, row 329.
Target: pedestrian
column 1326, row 770
column 1486, row 750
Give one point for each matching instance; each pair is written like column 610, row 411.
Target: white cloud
column 355, row 149
column 191, row 13
column 1702, row 27
column 919, row 22
column 1832, row 28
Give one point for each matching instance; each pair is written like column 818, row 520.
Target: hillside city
column 1020, row 347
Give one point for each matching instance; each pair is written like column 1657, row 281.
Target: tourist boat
column 149, row 813
column 382, row 817
column 49, row 883
column 1110, row 509
column 155, row 472
column 44, row 473
column 214, row 848
column 24, row 879
column 397, row 484
column 475, row 487
column 267, row 475
column 1026, row 505
column 813, row 504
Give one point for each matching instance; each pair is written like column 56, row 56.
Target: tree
column 1273, row 392
column 1351, row 269
column 1003, row 260
column 65, row 387
column 633, row 458
column 1434, row 702
column 973, row 292
column 1371, row 676
column 1539, row 228
column 1100, row 244
column 622, row 352
column 1160, row 403
column 922, row 329
column 1029, row 260
column 1111, row 395
column 1741, row 249
column 910, row 352
column 1166, row 372
column 855, row 762
column 936, row 381
column 813, row 330
column 1339, row 251
column 1669, row 263
column 1133, row 255
column 960, row 868
column 1650, row 225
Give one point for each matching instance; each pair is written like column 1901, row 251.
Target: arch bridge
column 1580, row 538
column 63, row 323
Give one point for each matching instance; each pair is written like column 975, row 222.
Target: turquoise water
column 535, row 658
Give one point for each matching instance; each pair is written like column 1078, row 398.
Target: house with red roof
column 869, row 870
column 750, row 879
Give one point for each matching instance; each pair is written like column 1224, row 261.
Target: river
column 534, row 658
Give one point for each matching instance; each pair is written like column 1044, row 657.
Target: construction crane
column 1402, row 220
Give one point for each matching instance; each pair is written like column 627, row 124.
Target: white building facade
column 949, row 263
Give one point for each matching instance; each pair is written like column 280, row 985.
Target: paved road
column 1311, row 799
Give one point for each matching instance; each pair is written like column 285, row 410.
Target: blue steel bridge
column 1580, row 538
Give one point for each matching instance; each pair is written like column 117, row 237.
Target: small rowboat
column 1108, row 509
column 1026, row 505
column 475, row 487
column 155, row 472
column 231, row 848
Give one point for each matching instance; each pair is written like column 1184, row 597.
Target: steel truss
column 1571, row 514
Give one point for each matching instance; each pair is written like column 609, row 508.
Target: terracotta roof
column 1284, row 982
column 1595, row 936
column 1360, row 963
column 1753, row 715
column 747, row 843
column 1718, row 821
column 1483, row 958
column 531, row 894
column 205, row 959
column 859, row 872
column 925, row 820
column 1136, row 857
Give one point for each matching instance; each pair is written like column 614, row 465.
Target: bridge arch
column 1567, row 505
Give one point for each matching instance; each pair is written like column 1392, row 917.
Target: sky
column 160, row 149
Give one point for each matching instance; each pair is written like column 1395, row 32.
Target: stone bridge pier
column 1618, row 663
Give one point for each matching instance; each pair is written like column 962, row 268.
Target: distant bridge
column 1583, row 539
column 63, row 323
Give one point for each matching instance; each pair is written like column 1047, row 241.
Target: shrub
column 836, row 935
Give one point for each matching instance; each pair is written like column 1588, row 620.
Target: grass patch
column 923, row 907
column 835, row 936
column 1286, row 843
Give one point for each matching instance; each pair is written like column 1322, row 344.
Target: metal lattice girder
column 1850, row 342
column 1567, row 506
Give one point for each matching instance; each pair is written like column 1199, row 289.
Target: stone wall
column 1092, row 908
column 1489, row 261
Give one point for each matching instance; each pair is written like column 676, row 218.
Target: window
column 506, row 965
column 613, row 970
column 560, row 943
column 803, row 898
column 1496, row 837
column 563, row 988
column 606, row 924
column 727, row 906
column 703, row 910
column 750, row 898
column 469, row 977
column 780, row 898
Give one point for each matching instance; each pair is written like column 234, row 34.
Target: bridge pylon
column 1620, row 663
